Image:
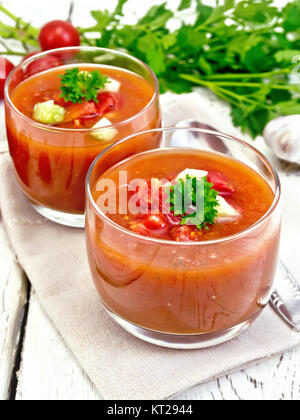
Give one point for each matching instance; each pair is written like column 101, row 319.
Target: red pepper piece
column 173, row 220
column 108, row 102
column 59, row 100
column 77, row 111
column 155, row 222
column 221, row 183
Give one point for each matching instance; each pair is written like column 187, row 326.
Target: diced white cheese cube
column 225, row 210
column 104, row 133
column 111, row 85
column 193, row 173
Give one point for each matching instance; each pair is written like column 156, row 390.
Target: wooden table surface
column 35, row 364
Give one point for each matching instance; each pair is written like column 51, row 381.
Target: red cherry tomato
column 58, row 34
column 43, row 64
column 32, row 54
column 5, row 68
column 220, row 183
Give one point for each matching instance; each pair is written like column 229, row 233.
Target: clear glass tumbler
column 51, row 163
column 220, row 286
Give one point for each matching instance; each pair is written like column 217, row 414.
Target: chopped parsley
column 77, row 85
column 195, row 200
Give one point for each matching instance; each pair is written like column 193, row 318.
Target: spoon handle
column 285, row 299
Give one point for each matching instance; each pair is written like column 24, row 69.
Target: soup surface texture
column 133, row 95
column 236, row 183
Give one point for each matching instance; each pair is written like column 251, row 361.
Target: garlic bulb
column 282, row 135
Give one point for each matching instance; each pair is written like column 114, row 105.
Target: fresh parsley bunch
column 242, row 50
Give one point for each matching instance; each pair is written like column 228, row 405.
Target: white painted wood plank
column 275, row 379
column 12, row 301
column 48, row 370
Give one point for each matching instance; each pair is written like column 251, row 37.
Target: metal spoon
column 210, row 140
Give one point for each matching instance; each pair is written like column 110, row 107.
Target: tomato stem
column 71, row 10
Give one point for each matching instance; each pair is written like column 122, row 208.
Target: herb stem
column 258, row 85
column 19, row 22
column 210, row 21
column 249, row 75
column 239, row 97
column 8, row 51
column 220, row 91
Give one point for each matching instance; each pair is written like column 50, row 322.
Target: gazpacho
column 169, row 265
column 59, row 119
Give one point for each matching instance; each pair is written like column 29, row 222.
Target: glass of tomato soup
column 183, row 239
column 63, row 108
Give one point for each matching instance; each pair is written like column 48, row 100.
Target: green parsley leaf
column 156, row 17
column 184, row 4
column 78, row 85
column 151, row 50
column 195, row 200
column 102, row 18
column 255, row 12
column 203, row 12
column 119, row 8
column 286, row 56
column 291, row 16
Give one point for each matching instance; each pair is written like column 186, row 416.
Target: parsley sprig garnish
column 195, row 200
column 78, row 85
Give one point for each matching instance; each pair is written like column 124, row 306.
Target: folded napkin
column 121, row 366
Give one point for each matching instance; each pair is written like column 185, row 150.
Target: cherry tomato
column 58, row 34
column 221, row 183
column 43, row 64
column 5, row 68
column 32, row 54
column 108, row 102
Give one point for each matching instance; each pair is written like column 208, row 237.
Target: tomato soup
column 158, row 270
column 52, row 159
